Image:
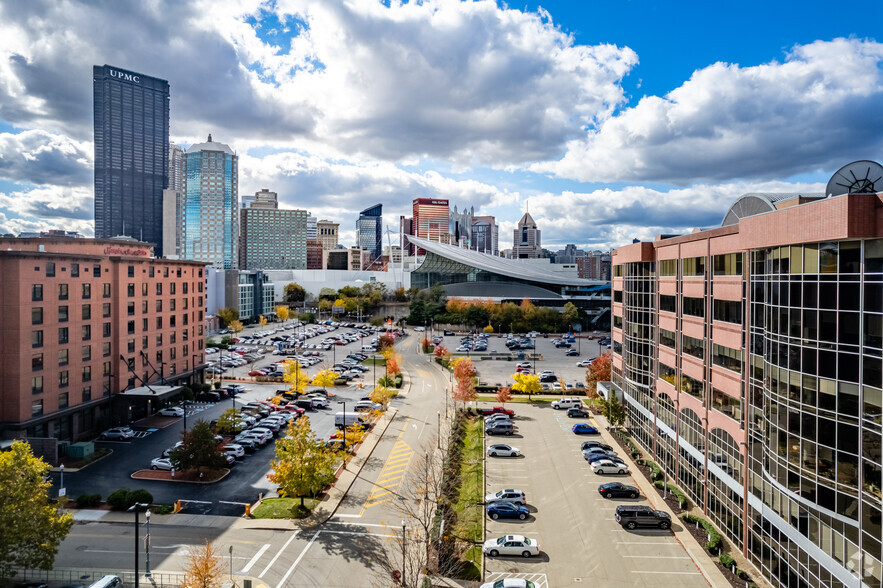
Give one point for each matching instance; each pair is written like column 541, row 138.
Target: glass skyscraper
column 211, row 204
column 131, row 153
column 369, row 231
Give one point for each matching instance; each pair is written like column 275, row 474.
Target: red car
column 497, row 410
column 257, row 373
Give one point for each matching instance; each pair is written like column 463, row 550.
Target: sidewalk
column 704, row 563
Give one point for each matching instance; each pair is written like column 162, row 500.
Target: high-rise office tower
column 176, row 167
column 211, row 204
column 131, row 125
column 486, row 235
column 312, row 227
column 369, row 231
column 262, row 199
column 460, row 227
column 526, row 239
column 431, row 220
column 272, row 238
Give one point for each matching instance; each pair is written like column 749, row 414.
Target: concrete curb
column 697, row 553
column 72, row 470
column 135, row 476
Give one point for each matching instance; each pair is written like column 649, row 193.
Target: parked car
column 509, row 583
column 512, row 545
column 497, row 410
column 605, row 466
column 497, row 418
column 172, row 411
column 499, row 427
column 563, row 403
column 572, row 353
column 584, row 429
column 161, row 463
column 634, row 516
column 508, row 495
column 618, row 489
column 118, row 433
column 584, row 363
column 502, row 451
column 577, row 412
column 507, row 510
column 594, row 451
column 587, row 444
column 593, row 457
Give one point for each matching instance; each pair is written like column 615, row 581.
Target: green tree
column 32, row 524
column 199, row 449
column 293, row 293
column 303, row 465
column 227, row 315
column 228, row 423
column 570, row 316
column 614, row 411
column 477, row 316
column 328, row 294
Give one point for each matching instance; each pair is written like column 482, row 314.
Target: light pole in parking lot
column 438, row 415
column 343, row 402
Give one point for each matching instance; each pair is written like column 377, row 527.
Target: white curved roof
column 512, row 268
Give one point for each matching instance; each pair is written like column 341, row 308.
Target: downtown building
column 369, row 231
column 750, row 361
column 88, row 323
column 131, row 133
column 272, row 238
column 526, row 239
column 211, row 204
column 485, row 235
column 431, row 221
column 328, row 233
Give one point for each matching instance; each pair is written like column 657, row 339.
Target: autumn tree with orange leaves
column 598, row 371
column 465, row 373
column 504, row 395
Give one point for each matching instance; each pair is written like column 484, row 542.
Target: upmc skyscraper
column 131, row 153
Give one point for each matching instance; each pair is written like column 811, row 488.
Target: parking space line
column 254, row 559
column 659, row 572
column 272, row 561
column 672, row 543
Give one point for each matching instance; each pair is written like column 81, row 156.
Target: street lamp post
column 438, row 439
column 147, row 545
column 343, row 402
column 404, row 584
column 136, row 507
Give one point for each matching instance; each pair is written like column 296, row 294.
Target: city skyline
column 622, row 130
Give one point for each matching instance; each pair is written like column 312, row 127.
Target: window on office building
column 37, row 316
column 37, row 292
column 36, row 338
column 694, row 306
column 37, row 385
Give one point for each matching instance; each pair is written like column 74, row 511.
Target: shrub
column 142, row 496
column 163, row 509
column 119, row 500
column 398, row 381
column 88, row 500
column 714, row 538
column 726, row 560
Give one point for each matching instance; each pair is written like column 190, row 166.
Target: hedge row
column 682, row 498
column 714, row 538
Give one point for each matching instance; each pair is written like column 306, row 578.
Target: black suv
column 631, row 517
column 576, row 412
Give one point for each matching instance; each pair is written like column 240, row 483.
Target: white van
column 565, row 403
column 368, row 348
column 107, row 582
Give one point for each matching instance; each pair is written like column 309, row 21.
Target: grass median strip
column 516, row 399
column 281, row 508
column 469, row 508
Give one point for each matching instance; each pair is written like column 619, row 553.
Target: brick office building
column 83, row 321
column 750, row 359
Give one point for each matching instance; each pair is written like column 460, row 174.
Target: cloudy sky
column 609, row 119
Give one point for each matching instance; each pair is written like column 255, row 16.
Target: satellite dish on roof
column 858, row 177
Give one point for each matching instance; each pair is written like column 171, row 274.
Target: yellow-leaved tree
column 303, row 466
column 204, row 569
column 325, row 378
column 283, row 313
column 235, row 326
column 263, row 321
column 297, row 377
column 382, row 395
column 526, row 383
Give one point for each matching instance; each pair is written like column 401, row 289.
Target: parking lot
column 497, row 371
column 578, row 537
column 247, row 477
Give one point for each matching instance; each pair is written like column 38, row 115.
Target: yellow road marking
column 392, row 472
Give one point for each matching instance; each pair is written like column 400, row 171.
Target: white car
column 235, row 450
column 584, row 363
column 605, row 466
column 419, row 329
column 502, row 450
column 161, row 463
column 172, row 411
column 510, row 583
column 118, row 433
column 508, row 495
column 512, row 545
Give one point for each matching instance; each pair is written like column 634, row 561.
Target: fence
column 86, row 577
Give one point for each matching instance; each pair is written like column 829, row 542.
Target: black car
column 562, row 344
column 208, row 397
column 615, row 489
column 586, row 444
column 632, row 517
column 577, row 413
column 549, row 378
column 448, row 333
